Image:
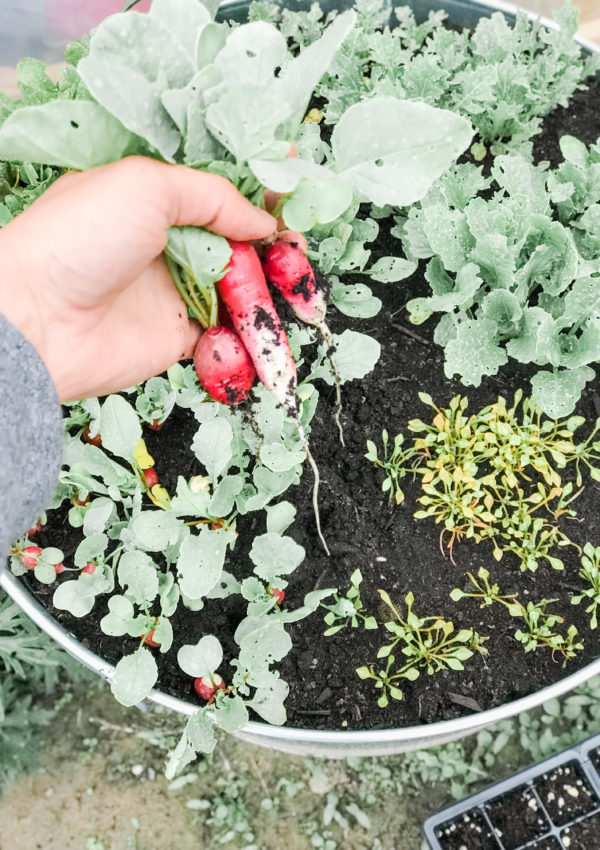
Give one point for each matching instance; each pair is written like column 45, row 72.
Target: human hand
column 83, row 278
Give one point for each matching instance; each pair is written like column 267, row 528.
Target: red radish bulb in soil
column 90, row 568
column 29, row 556
column 59, row 568
column 151, row 477
column 93, row 441
column 223, row 366
column 207, row 686
column 244, row 292
column 155, row 425
column 35, row 529
column 149, row 639
column 278, row 595
column 286, row 267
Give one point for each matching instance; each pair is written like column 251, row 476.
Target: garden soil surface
column 365, row 530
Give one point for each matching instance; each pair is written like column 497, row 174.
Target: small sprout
column 428, row 643
column 348, row 610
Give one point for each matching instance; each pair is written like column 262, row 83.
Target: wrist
column 17, row 301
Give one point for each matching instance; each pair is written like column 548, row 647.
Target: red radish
column 90, row 568
column 245, row 294
column 155, row 425
column 207, row 686
column 82, row 502
column 223, row 366
column 93, row 441
column 29, row 556
column 149, row 639
column 151, row 477
column 59, row 568
column 278, row 595
column 287, row 268
column 35, row 529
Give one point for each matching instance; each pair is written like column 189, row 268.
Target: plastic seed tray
column 554, row 805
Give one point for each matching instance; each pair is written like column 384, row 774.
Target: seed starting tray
column 553, row 805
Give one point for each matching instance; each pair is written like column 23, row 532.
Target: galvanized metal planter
column 332, row 744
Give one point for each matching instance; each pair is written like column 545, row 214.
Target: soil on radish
column 364, row 529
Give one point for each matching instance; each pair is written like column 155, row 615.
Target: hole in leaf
column 75, row 125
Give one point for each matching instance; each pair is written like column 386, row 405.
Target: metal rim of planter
column 314, row 741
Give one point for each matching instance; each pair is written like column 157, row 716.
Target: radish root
column 317, row 481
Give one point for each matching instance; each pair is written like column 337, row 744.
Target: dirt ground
column 101, row 787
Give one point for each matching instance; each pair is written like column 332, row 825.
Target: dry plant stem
column 326, row 334
column 317, row 480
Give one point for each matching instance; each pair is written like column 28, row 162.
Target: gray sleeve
column 30, row 435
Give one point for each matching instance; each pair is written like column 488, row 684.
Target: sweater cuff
column 30, row 435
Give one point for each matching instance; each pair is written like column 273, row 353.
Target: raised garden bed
column 364, row 528
column 553, row 805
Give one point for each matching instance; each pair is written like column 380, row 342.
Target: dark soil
column 363, row 529
column 566, row 793
column 550, row 843
column 585, row 835
column 469, row 832
column 517, row 818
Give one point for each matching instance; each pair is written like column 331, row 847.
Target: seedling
column 590, row 573
column 393, row 464
column 348, row 610
column 480, row 475
column 429, row 643
column 539, row 628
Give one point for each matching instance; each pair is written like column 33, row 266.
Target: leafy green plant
column 480, row 474
column 539, row 623
column 590, row 573
column 348, row 610
column 521, row 281
column 428, row 643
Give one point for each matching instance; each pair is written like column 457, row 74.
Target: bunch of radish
column 228, row 359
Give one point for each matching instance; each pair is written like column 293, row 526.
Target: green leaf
column 558, row 392
column 280, row 517
column 90, row 549
column 202, row 253
column 138, row 573
column 316, row 202
column 274, row 555
column 74, row 134
column 278, row 458
column 134, row 677
column 356, row 354
column 120, row 427
column 537, row 341
column 183, row 19
column 155, row 530
column 198, row 737
column 391, row 269
column 393, row 150
column 200, row 561
column 284, row 175
column 474, row 352
column 201, row 659
column 244, row 121
column 231, row 714
column 70, row 596
column 355, row 300
column 116, row 622
column 212, row 446
column 132, row 60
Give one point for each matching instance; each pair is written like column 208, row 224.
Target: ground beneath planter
column 363, row 529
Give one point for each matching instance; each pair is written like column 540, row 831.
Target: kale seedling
column 348, row 610
column 428, row 643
